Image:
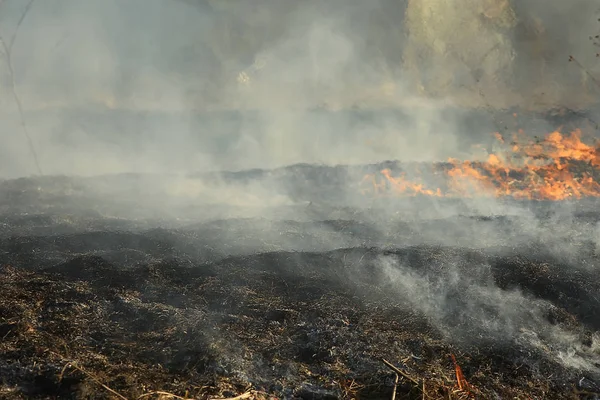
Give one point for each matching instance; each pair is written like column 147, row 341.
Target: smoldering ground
column 511, row 311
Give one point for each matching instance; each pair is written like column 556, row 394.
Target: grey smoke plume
column 111, row 86
column 180, row 86
column 467, row 306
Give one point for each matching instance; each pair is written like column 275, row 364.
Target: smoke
column 548, row 36
column 176, row 87
column 461, row 298
column 157, row 85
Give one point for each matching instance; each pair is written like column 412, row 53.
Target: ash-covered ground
column 290, row 283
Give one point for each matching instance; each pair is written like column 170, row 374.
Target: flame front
column 556, row 168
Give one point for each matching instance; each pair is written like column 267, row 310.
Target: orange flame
column 461, row 381
column 555, row 168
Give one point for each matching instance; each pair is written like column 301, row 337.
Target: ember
column 556, row 168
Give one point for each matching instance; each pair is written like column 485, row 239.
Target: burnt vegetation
column 109, row 288
column 104, row 307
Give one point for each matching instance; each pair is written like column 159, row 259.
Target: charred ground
column 302, row 300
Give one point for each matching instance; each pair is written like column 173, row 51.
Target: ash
column 287, row 283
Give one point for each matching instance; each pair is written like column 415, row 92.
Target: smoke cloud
column 466, row 304
column 194, row 86
column 150, row 86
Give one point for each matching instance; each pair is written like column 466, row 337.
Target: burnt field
column 291, row 283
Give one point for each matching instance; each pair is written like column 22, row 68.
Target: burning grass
column 458, row 306
column 555, row 168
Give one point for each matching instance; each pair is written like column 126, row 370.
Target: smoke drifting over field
column 148, row 98
column 160, row 85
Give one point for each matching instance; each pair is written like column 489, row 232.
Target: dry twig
column 161, row 393
column 395, row 386
column 240, row 397
column 93, row 378
column 114, row 392
column 585, row 71
column 400, row 372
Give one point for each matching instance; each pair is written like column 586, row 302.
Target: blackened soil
column 298, row 308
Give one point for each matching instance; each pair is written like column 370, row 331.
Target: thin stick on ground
column 96, row 380
column 240, row 397
column 400, row 372
column 395, row 386
column 72, row 364
column 161, row 393
column 7, row 49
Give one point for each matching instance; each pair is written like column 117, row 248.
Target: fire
column 556, row 168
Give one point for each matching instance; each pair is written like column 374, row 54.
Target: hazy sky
column 200, row 53
column 276, row 56
column 86, row 50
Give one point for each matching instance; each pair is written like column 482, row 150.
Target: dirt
column 297, row 301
